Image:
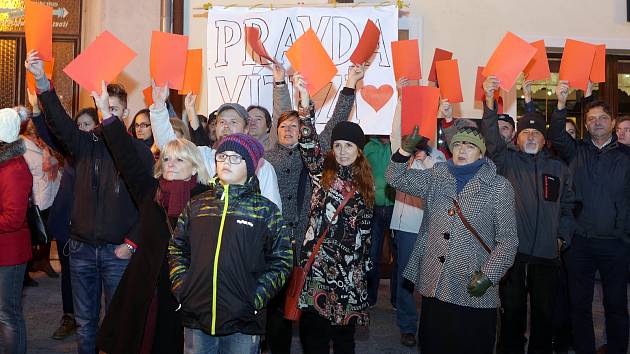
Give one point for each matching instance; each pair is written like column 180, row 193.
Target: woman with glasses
column 140, row 127
column 142, row 315
column 467, row 242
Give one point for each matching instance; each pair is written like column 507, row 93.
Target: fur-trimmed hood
column 11, row 150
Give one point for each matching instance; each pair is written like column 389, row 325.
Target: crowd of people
column 192, row 229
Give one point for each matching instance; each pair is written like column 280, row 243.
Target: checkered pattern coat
column 446, row 254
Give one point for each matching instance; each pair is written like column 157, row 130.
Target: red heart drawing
column 377, row 97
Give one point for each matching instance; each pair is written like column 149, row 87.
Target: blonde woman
column 143, row 302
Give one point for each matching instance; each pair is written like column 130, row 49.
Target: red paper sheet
column 253, row 40
column 406, row 57
column 367, row 44
column 309, row 58
column 420, row 106
column 509, row 59
column 49, row 67
column 538, row 67
column 148, row 96
column 576, row 64
column 103, row 60
column 168, row 59
column 192, row 76
column 598, row 71
column 440, row 54
column 448, row 76
column 38, row 29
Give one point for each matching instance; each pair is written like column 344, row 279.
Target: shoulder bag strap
column 470, row 228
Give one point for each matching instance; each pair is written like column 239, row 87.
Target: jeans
column 583, row 259
column 381, row 220
column 540, row 282
column 92, row 268
column 12, row 327
column 198, row 342
column 406, row 311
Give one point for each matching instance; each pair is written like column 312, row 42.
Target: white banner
column 234, row 75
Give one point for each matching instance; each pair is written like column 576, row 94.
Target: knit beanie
column 248, row 147
column 235, row 106
column 348, row 131
column 532, row 120
column 9, row 125
column 469, row 135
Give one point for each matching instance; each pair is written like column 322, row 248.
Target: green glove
column 409, row 142
column 479, row 284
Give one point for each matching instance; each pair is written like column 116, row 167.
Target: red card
column 509, row 59
column 448, row 76
column 103, row 60
column 480, row 95
column 538, row 67
column 168, row 59
column 420, row 106
column 576, row 64
column 309, row 58
column 148, row 96
column 192, row 75
column 598, row 71
column 38, row 28
column 253, row 40
column 367, row 44
column 48, row 69
column 440, row 54
column 406, row 57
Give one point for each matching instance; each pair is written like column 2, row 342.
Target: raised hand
column 189, row 101
column 562, row 92
column 402, row 82
column 409, row 142
column 527, row 90
column 300, row 83
column 446, row 110
column 160, row 94
column 490, row 86
column 279, row 72
column 102, row 100
column 35, row 65
column 191, row 113
column 355, row 74
column 32, row 99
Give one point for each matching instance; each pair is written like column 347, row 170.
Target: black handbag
column 36, row 225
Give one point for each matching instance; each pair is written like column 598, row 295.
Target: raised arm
column 158, row 113
column 530, row 107
column 410, row 181
column 344, row 105
column 62, row 127
column 396, row 133
column 496, row 147
column 562, row 142
column 40, row 125
column 281, row 100
column 279, row 260
column 198, row 135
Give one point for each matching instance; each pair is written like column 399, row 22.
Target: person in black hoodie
column 104, row 218
column 544, row 213
column 601, row 242
column 139, row 306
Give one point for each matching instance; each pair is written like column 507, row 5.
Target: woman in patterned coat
column 334, row 297
column 455, row 272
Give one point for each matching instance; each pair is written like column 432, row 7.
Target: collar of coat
column 11, row 150
column 235, row 190
column 486, row 176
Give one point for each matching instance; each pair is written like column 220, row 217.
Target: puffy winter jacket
column 229, row 255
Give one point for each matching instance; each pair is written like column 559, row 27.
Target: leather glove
column 479, row 284
column 409, row 142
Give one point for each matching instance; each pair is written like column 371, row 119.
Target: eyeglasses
column 234, row 159
column 143, row 125
column 623, row 130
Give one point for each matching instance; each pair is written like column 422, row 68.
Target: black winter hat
column 532, row 120
column 507, row 118
column 350, row 132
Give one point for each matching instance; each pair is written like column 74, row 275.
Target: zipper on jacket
column 531, row 250
column 215, row 268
